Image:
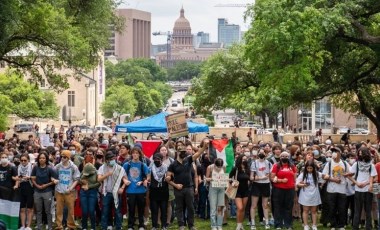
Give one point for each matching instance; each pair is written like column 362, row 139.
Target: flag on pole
column 223, row 149
column 149, row 147
column 9, row 207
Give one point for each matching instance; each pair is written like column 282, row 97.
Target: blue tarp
column 157, row 124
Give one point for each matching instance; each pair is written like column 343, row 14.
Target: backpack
column 345, row 167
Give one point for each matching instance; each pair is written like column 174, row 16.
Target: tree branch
column 364, row 33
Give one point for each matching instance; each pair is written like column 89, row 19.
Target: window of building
column 361, row 122
column 71, row 98
column 323, row 119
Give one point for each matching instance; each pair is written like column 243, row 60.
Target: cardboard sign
column 221, row 181
column 177, row 125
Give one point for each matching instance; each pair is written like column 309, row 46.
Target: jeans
column 283, row 206
column 155, row 206
column 184, row 200
column 216, row 198
column 108, row 200
column 68, row 200
column 204, row 203
column 43, row 201
column 88, row 200
column 363, row 199
column 134, row 200
column 337, row 209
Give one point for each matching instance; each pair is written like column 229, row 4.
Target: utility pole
column 168, row 46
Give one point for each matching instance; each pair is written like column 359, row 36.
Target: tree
column 23, row 99
column 184, row 70
column 120, row 99
column 38, row 37
column 312, row 49
column 146, row 105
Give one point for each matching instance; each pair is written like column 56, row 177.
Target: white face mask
column 352, row 161
column 334, row 155
column 328, row 159
column 4, row 161
column 247, row 154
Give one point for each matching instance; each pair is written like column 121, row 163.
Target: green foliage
column 144, row 78
column 120, row 99
column 306, row 50
column 184, row 70
column 39, row 37
column 25, row 100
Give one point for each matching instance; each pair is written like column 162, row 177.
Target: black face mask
column 182, row 155
column 284, row 160
column 99, row 156
column 17, row 163
column 261, row 156
column 157, row 163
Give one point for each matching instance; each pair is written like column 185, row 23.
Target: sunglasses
column 23, row 160
column 64, row 157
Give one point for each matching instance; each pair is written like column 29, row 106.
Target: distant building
column 135, row 40
column 228, row 33
column 181, row 46
column 200, row 38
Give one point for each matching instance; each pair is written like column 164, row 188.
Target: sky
column 202, row 15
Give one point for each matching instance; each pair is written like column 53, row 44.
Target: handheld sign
column 221, row 181
column 177, row 125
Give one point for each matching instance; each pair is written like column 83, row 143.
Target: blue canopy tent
column 157, row 124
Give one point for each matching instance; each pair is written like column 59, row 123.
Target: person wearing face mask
column 260, row 172
column 76, row 158
column 335, row 173
column 159, row 192
column 364, row 173
column 350, row 191
column 179, row 176
column 241, row 173
column 216, row 193
column 65, row 193
column 26, row 191
column 138, row 174
column 114, row 181
column 283, row 176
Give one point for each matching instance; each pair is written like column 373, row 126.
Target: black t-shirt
column 6, row 174
column 43, row 176
column 182, row 172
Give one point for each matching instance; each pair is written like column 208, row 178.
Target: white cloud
column 202, row 15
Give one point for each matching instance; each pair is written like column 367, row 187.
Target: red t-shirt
column 377, row 166
column 285, row 172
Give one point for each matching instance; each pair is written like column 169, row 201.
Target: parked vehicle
column 359, row 131
column 19, row 128
column 103, row 129
column 342, row 130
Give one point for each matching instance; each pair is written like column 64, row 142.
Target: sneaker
column 182, row 228
column 22, row 228
column 214, row 228
column 278, row 228
column 146, row 221
column 271, row 222
column 219, row 228
column 306, row 227
column 130, row 228
column 27, row 228
column 341, row 229
column 193, row 228
column 314, row 227
column 154, row 228
column 253, row 227
column 109, row 228
column 164, row 228
column 249, row 223
column 332, row 228
column 267, row 226
column 141, row 228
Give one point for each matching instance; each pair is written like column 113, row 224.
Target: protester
column 283, row 176
column 309, row 196
column 216, row 194
column 138, row 174
column 179, row 176
column 43, row 182
column 241, row 173
column 260, row 173
column 89, row 191
column 364, row 173
column 68, row 177
column 114, row 181
column 26, row 192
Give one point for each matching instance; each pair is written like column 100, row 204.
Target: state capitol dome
column 182, row 22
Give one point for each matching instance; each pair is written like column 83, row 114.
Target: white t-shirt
column 261, row 168
column 104, row 169
column 363, row 174
column 337, row 171
column 309, row 195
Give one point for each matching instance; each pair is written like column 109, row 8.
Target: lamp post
column 87, row 85
column 299, row 117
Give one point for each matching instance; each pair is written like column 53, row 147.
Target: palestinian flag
column 9, row 207
column 222, row 148
column 149, row 147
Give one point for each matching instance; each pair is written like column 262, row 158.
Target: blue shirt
column 134, row 174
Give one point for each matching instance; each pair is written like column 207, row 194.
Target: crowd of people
column 103, row 182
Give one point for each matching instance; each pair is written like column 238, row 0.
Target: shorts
column 242, row 194
column 26, row 199
column 260, row 189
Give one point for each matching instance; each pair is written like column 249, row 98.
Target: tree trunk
column 264, row 120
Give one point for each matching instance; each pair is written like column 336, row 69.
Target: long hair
column 239, row 164
column 310, row 163
column 46, row 156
